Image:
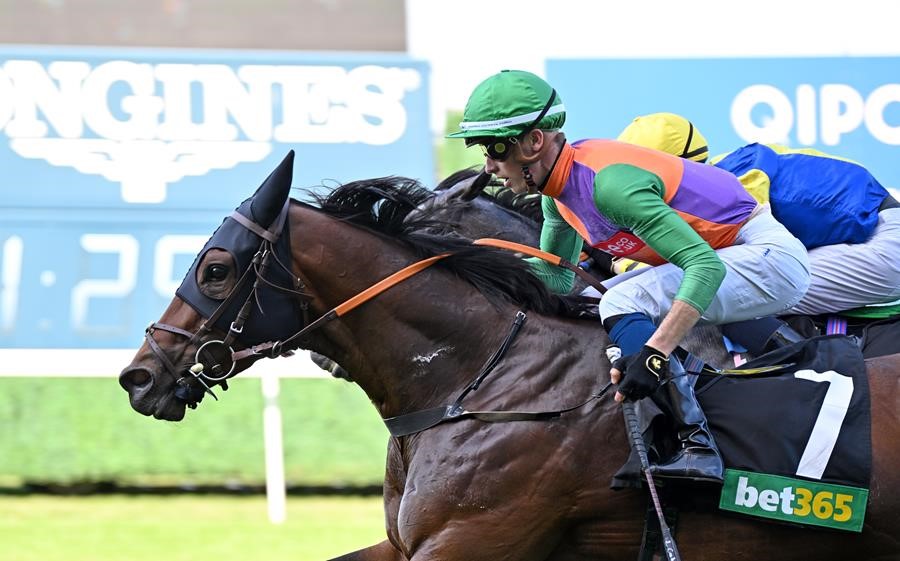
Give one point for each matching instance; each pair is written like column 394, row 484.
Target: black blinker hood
column 280, row 315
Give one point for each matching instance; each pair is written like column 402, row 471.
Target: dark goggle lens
column 498, row 149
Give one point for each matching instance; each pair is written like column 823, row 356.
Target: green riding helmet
column 509, row 104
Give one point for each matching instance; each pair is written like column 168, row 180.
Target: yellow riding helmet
column 668, row 133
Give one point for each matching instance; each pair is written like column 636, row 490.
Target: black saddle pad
column 809, row 418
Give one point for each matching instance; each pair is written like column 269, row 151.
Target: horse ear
column 269, row 199
column 477, row 186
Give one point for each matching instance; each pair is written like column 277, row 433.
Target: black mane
column 382, row 205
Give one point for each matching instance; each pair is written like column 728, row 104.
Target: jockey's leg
column 766, row 273
column 846, row 276
column 762, row 335
column 699, row 458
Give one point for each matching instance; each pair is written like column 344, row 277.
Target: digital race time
column 71, row 280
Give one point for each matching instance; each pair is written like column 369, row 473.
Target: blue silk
column 821, row 200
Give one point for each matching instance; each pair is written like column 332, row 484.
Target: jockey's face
column 522, row 152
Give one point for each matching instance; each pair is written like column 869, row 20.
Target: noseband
column 216, row 349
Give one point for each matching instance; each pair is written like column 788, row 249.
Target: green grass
column 121, row 528
column 73, row 430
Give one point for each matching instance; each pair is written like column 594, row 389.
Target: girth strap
column 417, row 421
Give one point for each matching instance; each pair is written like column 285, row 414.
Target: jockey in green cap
column 718, row 256
column 849, row 223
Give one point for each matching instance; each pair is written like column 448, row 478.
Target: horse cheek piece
column 257, row 237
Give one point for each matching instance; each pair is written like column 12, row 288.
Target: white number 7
column 828, row 424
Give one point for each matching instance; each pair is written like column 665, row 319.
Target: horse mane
column 383, row 204
column 525, row 205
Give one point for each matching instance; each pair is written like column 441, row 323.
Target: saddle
column 793, row 430
column 875, row 336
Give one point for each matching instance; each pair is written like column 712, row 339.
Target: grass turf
column 80, row 430
column 184, row 528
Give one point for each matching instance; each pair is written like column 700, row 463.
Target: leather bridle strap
column 272, row 234
column 277, row 347
column 548, row 257
column 232, row 296
column 272, row 349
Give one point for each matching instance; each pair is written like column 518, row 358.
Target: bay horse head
column 248, row 295
column 244, row 265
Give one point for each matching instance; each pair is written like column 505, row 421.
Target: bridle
column 217, row 373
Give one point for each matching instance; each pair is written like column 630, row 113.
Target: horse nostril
column 134, row 378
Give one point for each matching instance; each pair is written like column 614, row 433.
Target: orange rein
column 419, row 266
column 548, row 257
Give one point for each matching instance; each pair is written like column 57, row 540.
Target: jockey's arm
column 560, row 239
column 633, row 198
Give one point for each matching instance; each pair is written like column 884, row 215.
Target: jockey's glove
column 642, row 372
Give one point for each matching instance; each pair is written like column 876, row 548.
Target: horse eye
column 215, row 273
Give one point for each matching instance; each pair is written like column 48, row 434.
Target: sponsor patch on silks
column 840, row 507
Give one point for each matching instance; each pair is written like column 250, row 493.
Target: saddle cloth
column 807, row 419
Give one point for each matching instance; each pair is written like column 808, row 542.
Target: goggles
column 498, row 149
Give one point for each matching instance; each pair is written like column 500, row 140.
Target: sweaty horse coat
column 468, row 490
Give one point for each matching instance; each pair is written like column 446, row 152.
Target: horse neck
column 415, row 345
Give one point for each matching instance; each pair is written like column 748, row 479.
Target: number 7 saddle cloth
column 808, row 418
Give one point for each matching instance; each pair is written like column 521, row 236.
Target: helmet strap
column 529, row 180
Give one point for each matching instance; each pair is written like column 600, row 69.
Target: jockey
column 849, row 223
column 694, row 223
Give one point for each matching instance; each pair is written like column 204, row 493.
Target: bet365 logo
column 794, row 500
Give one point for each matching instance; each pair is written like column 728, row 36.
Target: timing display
column 97, row 284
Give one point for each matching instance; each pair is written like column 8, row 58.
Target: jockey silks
column 652, row 207
column 821, row 199
column 585, row 183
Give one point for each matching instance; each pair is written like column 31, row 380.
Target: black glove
column 641, row 372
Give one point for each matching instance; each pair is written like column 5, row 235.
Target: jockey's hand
column 642, row 372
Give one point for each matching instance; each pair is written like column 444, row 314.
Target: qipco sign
column 847, row 106
column 816, row 115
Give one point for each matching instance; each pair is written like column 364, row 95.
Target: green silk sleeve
column 633, row 199
column 560, row 239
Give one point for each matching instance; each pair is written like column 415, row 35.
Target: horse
column 468, row 325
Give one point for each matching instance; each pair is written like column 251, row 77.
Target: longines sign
column 146, row 121
column 118, row 165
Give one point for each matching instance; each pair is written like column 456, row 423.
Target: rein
column 401, row 425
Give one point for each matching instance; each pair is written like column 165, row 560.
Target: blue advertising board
column 118, row 165
column 845, row 106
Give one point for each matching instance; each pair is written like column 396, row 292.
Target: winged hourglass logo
column 147, row 126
